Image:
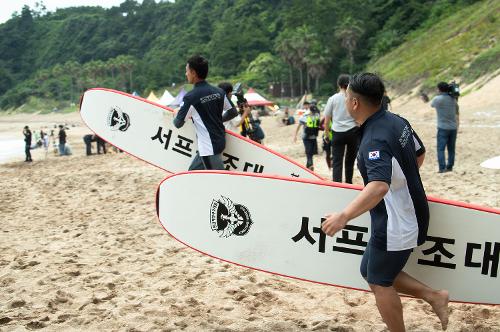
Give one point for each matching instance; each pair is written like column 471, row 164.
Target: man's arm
column 230, row 112
column 183, row 112
column 369, row 197
column 297, row 131
column 419, row 149
column 246, row 111
column 328, row 118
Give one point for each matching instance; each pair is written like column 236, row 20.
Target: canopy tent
column 166, row 99
column 152, row 97
column 178, row 99
column 135, row 94
column 255, row 99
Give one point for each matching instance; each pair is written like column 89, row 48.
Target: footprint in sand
column 17, row 304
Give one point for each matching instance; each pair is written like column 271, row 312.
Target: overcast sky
column 8, row 7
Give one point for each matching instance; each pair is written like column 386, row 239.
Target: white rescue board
column 276, row 229
column 145, row 130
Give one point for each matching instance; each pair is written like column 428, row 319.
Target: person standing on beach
column 447, row 124
column 234, row 124
column 204, row 105
column 310, row 121
column 27, row 141
column 62, row 140
column 345, row 133
column 395, row 196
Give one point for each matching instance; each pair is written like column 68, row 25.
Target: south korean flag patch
column 373, row 155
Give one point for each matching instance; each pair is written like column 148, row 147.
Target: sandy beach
column 82, row 249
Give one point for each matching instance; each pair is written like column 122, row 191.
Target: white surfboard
column 145, row 130
column 276, row 229
column 493, row 163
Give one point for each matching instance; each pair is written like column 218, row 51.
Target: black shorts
column 381, row 267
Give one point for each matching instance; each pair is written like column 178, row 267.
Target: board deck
column 493, row 163
column 276, row 229
column 145, row 130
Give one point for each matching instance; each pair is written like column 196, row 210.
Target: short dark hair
column 369, row 86
column 199, row 64
column 226, row 86
column 343, row 81
column 443, row 87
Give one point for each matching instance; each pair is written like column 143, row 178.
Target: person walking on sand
column 310, row 121
column 345, row 133
column 395, row 196
column 205, row 105
column 27, row 145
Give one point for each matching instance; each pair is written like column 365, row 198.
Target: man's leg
column 380, row 268
column 351, row 152
column 197, row 163
column 389, row 307
column 61, row 149
column 441, row 144
column 213, row 162
column 452, row 138
column 338, row 148
column 438, row 299
column 309, row 150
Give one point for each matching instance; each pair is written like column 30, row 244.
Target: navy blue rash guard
column 205, row 105
column 387, row 153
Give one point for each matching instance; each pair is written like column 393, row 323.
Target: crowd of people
column 341, row 133
column 41, row 138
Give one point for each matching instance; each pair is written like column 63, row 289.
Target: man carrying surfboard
column 204, row 105
column 396, row 199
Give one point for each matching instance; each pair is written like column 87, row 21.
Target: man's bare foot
column 439, row 303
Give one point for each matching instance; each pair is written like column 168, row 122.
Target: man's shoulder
column 338, row 96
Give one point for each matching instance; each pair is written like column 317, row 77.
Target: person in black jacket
column 27, row 140
column 62, row 140
column 205, row 105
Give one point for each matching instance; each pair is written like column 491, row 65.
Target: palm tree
column 349, row 33
column 284, row 48
column 317, row 61
column 301, row 42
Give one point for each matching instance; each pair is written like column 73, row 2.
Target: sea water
column 11, row 148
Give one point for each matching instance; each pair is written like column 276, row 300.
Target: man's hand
column 334, row 222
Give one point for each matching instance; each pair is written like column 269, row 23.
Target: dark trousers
column 344, row 143
column 101, row 145
column 311, row 147
column 206, row 162
column 446, row 139
column 27, row 151
column 87, row 139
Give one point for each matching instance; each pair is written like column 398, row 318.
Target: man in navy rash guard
column 388, row 160
column 205, row 105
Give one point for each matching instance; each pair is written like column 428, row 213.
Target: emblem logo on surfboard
column 228, row 218
column 118, row 120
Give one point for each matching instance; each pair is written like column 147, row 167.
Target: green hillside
column 463, row 46
column 295, row 45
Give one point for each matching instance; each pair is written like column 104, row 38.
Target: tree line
column 299, row 45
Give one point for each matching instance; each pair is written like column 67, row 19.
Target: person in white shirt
column 345, row 133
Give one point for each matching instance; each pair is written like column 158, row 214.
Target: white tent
column 166, row 99
column 178, row 99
